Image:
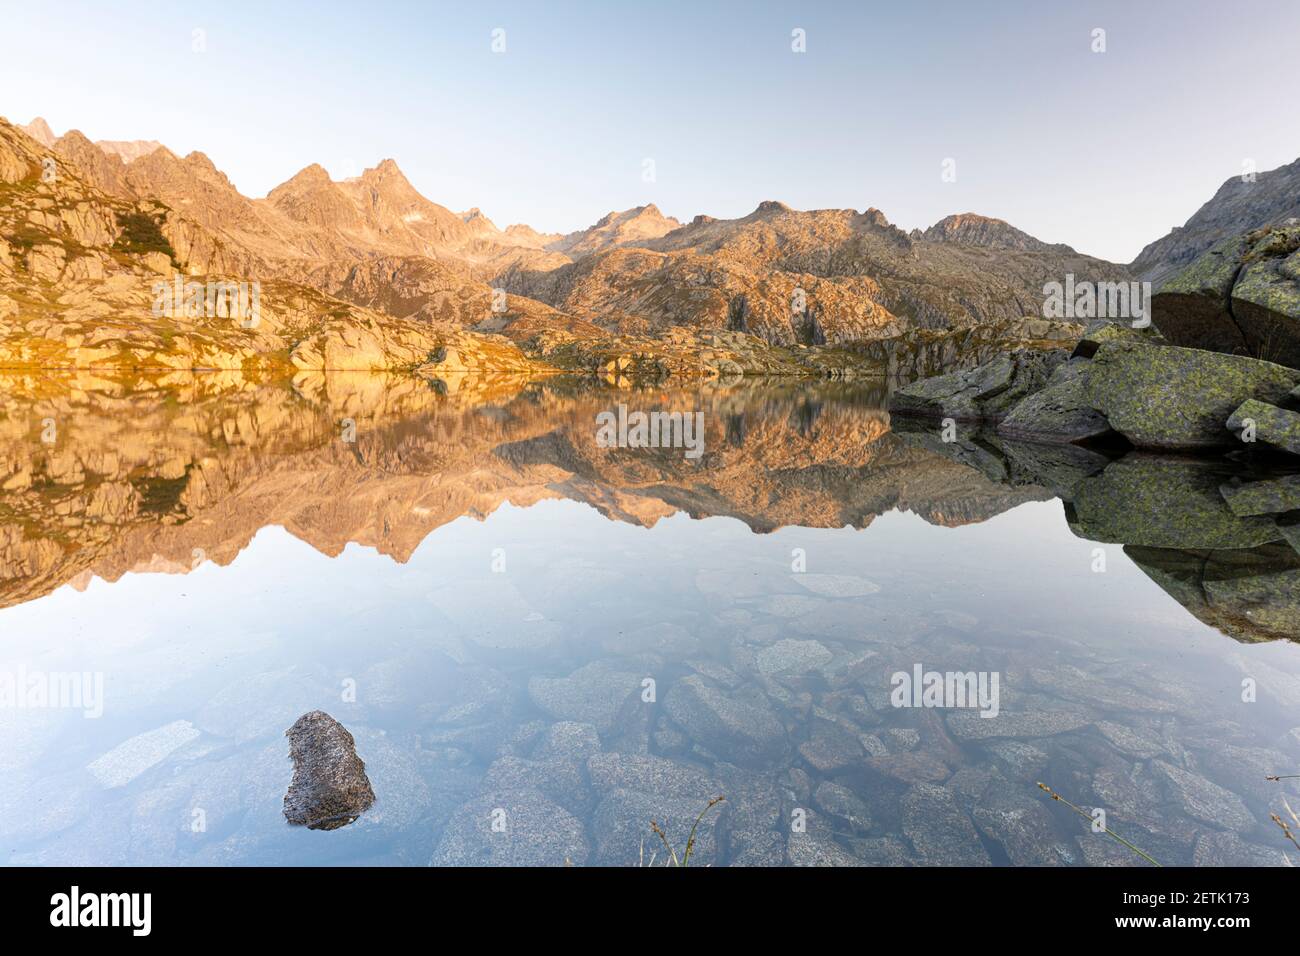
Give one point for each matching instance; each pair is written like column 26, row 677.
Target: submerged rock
column 739, row 726
column 843, row 804
column 1205, row 800
column 790, row 657
column 939, row 829
column 512, row 828
column 1163, row 397
column 329, row 787
column 1228, row 849
column 621, row 824
column 133, row 757
column 595, row 694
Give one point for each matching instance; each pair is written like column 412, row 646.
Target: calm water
column 541, row 644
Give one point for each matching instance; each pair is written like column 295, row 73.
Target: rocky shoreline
column 1199, row 380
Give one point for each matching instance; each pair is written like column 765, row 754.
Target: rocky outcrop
column 984, row 394
column 1177, row 398
column 1184, row 386
column 1060, row 411
column 1241, row 297
column 330, row 788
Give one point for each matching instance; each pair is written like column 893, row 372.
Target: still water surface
column 540, row 644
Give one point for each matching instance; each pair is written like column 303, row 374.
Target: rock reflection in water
column 535, row 685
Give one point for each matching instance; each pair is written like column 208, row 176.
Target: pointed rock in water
column 330, row 788
column 1159, row 396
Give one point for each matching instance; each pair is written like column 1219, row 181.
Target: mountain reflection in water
column 585, row 654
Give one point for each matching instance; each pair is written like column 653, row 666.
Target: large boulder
column 1242, row 297
column 1061, row 412
column 1164, row 397
column 986, row 393
column 1266, row 296
column 1193, row 308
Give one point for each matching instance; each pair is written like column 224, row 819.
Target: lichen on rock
column 330, row 788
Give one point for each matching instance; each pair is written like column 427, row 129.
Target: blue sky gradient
column 1104, row 151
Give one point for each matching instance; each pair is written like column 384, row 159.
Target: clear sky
column 1104, row 151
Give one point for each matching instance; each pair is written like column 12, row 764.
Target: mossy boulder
column 1162, row 502
column 1272, row 496
column 1266, row 296
column 1241, row 297
column 1164, row 397
column 1256, row 421
column 1192, row 309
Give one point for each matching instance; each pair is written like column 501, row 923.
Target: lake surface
column 541, row 644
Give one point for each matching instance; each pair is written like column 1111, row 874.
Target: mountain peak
column 40, row 131
column 312, row 175
column 972, row 229
column 770, row 205
column 386, row 169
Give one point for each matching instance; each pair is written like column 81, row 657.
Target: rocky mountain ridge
column 818, row 280
column 1241, row 204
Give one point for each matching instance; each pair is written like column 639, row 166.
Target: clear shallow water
column 479, row 593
